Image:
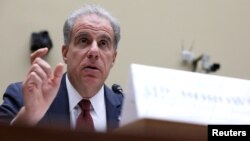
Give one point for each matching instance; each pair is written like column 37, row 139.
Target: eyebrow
column 105, row 37
column 82, row 34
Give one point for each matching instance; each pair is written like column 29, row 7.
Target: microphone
column 117, row 89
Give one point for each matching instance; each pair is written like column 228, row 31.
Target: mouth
column 90, row 67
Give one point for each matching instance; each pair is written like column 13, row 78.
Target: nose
column 93, row 52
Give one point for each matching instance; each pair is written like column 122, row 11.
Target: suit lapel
column 58, row 113
column 113, row 108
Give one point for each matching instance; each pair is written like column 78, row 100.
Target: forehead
column 92, row 22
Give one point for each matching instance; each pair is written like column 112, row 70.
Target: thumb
column 58, row 72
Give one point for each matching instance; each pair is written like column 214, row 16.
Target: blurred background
column 153, row 32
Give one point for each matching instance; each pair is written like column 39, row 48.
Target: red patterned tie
column 84, row 120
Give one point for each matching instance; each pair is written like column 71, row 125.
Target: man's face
column 90, row 54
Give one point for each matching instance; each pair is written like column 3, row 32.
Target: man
column 47, row 96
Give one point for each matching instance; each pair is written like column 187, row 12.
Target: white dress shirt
column 98, row 107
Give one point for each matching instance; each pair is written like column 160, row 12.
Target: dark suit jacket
column 58, row 113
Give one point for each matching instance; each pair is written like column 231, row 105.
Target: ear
column 65, row 49
column 114, row 57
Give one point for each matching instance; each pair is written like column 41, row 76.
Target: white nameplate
column 174, row 95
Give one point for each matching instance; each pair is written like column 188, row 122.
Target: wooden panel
column 166, row 130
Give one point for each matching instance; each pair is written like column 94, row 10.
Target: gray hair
column 89, row 10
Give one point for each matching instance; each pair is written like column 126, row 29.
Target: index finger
column 38, row 53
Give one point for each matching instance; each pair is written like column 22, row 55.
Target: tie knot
column 85, row 105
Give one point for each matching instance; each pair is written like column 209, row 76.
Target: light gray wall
column 152, row 31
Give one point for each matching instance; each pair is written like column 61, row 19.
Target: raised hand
column 39, row 89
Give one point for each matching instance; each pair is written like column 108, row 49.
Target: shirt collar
column 74, row 96
column 98, row 103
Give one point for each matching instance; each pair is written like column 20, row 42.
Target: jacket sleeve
column 12, row 102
